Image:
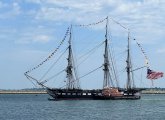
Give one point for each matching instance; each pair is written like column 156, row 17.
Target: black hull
column 77, row 94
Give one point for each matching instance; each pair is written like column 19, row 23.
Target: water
column 32, row 107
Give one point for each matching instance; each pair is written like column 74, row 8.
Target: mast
column 106, row 61
column 128, row 61
column 70, row 77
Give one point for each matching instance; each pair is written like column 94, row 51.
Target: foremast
column 72, row 81
column 107, row 77
column 129, row 66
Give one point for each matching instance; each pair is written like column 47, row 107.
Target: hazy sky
column 31, row 29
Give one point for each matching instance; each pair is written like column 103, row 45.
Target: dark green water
column 32, row 107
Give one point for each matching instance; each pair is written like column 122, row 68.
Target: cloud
column 33, row 1
column 161, row 50
column 27, row 34
column 10, row 10
column 41, row 38
column 139, row 16
column 28, row 38
column 3, row 5
column 127, row 12
column 31, row 22
column 69, row 11
column 145, row 19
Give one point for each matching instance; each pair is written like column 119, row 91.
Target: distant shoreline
column 151, row 91
column 23, row 92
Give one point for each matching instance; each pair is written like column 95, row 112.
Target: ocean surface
column 37, row 107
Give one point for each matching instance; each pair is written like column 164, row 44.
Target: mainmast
column 106, row 60
column 70, row 78
column 128, row 61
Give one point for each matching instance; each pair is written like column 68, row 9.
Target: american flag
column 153, row 75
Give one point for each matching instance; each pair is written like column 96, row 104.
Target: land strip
column 43, row 91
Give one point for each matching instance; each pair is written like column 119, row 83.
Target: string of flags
column 91, row 24
column 151, row 74
column 146, row 58
column 119, row 24
column 52, row 54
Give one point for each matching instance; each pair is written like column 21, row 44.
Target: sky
column 31, row 29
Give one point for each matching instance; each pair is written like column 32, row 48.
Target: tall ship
column 110, row 88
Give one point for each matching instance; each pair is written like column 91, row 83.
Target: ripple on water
column 32, row 107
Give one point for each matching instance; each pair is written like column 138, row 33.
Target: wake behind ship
column 110, row 90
